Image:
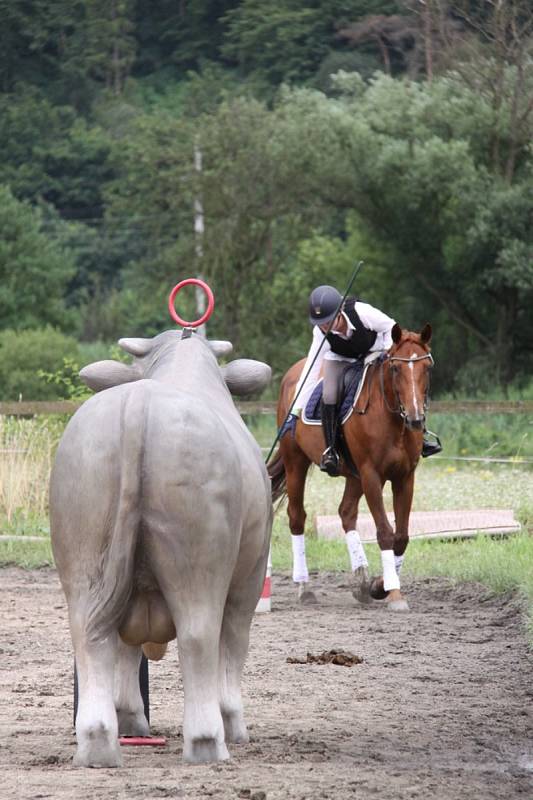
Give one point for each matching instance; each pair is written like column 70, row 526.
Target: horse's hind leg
column 296, row 468
column 348, row 510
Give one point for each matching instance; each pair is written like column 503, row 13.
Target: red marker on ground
column 139, row 741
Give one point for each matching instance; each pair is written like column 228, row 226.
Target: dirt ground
column 440, row 707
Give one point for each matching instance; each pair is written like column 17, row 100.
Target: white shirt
column 372, row 318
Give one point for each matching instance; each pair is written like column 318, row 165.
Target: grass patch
column 27, row 448
column 500, row 563
column 29, row 555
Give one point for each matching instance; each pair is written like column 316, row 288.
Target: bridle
column 400, row 410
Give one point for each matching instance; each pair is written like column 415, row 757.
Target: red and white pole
column 265, row 601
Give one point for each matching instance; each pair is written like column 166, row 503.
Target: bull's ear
column 245, row 376
column 105, row 374
column 425, row 334
column 220, row 348
column 396, row 333
column 136, row 347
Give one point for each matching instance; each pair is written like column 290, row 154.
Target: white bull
column 161, row 518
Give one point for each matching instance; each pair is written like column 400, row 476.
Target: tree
column 414, row 161
column 395, row 36
column 51, row 154
column 111, row 46
column 34, row 270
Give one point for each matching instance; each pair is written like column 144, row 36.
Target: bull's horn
column 136, row 347
column 245, row 376
column 105, row 374
column 220, row 348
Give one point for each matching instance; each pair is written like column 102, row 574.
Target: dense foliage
column 269, row 146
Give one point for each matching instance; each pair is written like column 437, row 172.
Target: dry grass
column 26, row 452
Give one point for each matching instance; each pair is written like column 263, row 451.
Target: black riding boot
column 330, row 458
column 430, row 448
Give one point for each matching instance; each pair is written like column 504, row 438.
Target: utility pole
column 199, row 229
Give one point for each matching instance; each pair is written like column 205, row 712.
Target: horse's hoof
column 305, row 596
column 398, row 605
column 308, row 598
column 377, row 590
column 396, row 601
column 361, row 585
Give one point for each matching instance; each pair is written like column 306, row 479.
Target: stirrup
column 330, row 462
column 431, row 448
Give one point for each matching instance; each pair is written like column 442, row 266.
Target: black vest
column 361, row 339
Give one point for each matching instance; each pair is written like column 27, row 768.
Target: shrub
column 24, row 354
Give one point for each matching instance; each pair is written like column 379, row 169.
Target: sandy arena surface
column 440, row 707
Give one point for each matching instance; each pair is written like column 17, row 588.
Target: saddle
column 352, row 383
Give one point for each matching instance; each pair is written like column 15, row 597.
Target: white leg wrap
column 398, row 561
column 299, row 563
column 390, row 577
column 355, row 550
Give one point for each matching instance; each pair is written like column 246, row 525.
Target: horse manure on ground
column 340, row 657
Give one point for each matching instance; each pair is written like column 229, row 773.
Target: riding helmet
column 324, row 303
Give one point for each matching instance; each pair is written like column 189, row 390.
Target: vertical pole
column 199, row 229
column 265, row 601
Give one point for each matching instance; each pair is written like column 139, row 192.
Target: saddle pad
column 356, row 375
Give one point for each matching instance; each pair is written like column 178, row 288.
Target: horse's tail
column 276, row 470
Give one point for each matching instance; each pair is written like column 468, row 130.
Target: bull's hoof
column 204, row 750
column 235, row 728
column 98, row 755
column 361, row 585
column 377, row 590
column 131, row 723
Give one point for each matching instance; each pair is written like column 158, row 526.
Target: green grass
column 500, row 563
column 465, row 434
column 28, row 555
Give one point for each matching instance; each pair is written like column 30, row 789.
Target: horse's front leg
column 389, row 585
column 296, row 467
column 348, row 511
column 402, row 497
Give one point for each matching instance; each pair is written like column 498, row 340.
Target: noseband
column 400, row 410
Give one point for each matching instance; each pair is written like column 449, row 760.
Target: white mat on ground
column 429, row 524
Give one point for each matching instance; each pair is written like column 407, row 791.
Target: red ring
column 210, row 303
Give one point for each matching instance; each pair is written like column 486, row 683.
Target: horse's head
column 410, row 361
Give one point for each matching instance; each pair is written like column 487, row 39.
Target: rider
column 355, row 330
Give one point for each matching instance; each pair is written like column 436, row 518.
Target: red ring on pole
column 210, row 302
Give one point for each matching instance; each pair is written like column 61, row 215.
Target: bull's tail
column 112, row 585
column 278, row 477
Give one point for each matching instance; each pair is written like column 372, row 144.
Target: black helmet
column 324, row 302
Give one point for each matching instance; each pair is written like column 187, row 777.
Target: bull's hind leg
column 195, row 598
column 234, row 639
column 96, row 720
column 128, row 700
column 198, row 644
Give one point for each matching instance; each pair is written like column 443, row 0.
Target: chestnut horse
column 384, row 439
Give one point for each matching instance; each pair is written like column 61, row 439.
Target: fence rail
column 28, row 408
